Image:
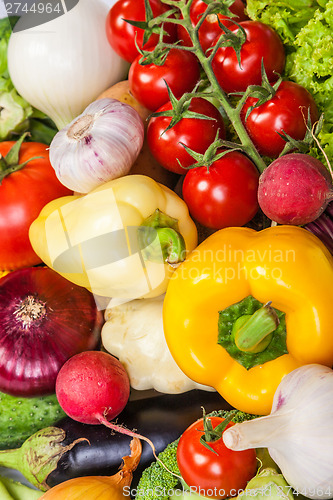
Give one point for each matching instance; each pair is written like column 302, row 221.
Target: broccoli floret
column 156, row 483
column 239, row 416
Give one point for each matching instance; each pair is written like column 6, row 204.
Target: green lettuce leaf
column 16, row 114
column 312, row 68
column 286, row 17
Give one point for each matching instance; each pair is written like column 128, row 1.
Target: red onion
column 322, row 227
column 44, row 320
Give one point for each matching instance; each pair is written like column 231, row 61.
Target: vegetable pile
column 166, row 193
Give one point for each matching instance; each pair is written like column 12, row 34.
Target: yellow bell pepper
column 121, row 241
column 286, row 266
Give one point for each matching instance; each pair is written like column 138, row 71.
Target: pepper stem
column 172, row 245
column 159, row 235
column 252, row 333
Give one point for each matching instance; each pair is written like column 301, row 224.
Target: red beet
column 92, row 385
column 295, row 189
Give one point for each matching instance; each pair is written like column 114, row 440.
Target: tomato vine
column 179, row 14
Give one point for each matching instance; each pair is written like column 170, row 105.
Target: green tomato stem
column 10, row 163
column 232, row 113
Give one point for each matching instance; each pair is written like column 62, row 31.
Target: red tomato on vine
column 217, row 472
column 122, row 35
column 262, row 44
column 286, row 112
column 181, row 71
column 210, row 27
column 225, row 194
column 197, row 134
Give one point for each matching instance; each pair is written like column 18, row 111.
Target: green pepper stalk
column 160, row 232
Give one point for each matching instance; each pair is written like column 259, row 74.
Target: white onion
column 63, row 65
column 99, row 145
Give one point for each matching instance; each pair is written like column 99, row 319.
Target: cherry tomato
column 225, row 194
column 262, row 44
column 286, row 112
column 210, row 28
column 197, row 134
column 147, row 82
column 122, row 35
column 222, row 474
column 22, row 196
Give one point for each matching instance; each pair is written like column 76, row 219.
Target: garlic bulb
column 61, row 66
column 299, row 431
column 99, row 145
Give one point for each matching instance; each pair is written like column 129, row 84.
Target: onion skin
column 44, row 320
column 322, row 227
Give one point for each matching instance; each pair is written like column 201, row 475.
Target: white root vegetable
column 61, row 66
column 133, row 332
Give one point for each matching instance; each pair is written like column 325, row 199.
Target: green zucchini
column 21, row 417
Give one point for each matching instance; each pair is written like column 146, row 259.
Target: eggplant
column 69, row 449
column 162, row 418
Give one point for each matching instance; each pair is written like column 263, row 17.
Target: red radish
column 92, row 385
column 92, row 388
column 295, row 189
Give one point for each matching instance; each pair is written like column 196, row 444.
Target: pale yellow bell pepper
column 118, row 240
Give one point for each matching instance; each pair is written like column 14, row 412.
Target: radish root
column 123, row 430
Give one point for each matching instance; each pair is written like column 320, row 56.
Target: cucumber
column 21, row 417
